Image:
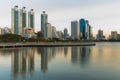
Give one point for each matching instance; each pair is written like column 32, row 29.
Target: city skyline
column 19, row 20
column 101, row 14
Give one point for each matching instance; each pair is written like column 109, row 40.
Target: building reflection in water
column 31, row 54
column 44, row 59
column 46, row 55
column 19, row 62
column 85, row 55
column 22, row 61
column 75, row 54
column 80, row 55
column 15, row 63
column 54, row 51
column 65, row 51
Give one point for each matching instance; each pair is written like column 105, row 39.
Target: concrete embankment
column 10, row 45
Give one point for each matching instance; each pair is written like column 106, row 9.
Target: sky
column 102, row 14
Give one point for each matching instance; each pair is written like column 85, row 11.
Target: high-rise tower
column 65, row 33
column 15, row 20
column 44, row 21
column 75, row 30
column 22, row 20
column 87, row 31
column 19, row 20
column 31, row 18
column 83, row 28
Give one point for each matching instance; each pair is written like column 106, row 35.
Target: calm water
column 100, row 62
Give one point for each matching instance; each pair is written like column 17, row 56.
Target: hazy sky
column 102, row 14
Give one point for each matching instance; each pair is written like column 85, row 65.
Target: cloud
column 102, row 14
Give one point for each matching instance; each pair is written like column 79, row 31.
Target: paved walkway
column 52, row 44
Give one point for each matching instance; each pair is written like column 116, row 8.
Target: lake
column 100, row 62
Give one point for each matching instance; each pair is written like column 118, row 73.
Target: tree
column 10, row 38
column 39, row 34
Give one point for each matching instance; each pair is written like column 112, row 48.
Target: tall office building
column 22, row 20
column 15, row 20
column 114, row 35
column 87, row 31
column 83, row 28
column 5, row 30
column 44, row 21
column 60, row 34
column 100, row 35
column 91, row 32
column 49, row 30
column 75, row 29
column 65, row 33
column 19, row 20
column 31, row 18
column 54, row 32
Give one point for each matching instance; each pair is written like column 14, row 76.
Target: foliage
column 10, row 38
column 40, row 38
column 39, row 34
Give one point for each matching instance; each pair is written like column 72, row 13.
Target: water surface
column 100, row 62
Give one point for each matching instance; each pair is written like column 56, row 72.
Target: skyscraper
column 87, row 31
column 100, row 35
column 49, row 30
column 75, row 29
column 65, row 33
column 31, row 18
column 83, row 28
column 60, row 34
column 44, row 21
column 90, row 32
column 54, row 32
column 15, row 20
column 114, row 35
column 19, row 20
column 22, row 20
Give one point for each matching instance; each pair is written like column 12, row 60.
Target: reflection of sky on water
column 61, row 63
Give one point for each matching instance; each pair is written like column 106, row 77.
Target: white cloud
column 100, row 14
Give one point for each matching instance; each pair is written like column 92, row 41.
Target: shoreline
column 49, row 44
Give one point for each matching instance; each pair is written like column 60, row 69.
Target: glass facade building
column 65, row 33
column 19, row 20
column 75, row 30
column 83, row 28
column 22, row 20
column 31, row 18
column 44, row 21
column 15, row 20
